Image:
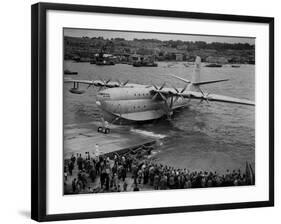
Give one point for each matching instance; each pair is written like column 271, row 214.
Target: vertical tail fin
column 196, row 73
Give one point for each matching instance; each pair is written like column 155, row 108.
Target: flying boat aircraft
column 135, row 102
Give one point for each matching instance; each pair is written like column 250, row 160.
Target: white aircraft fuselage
column 134, row 103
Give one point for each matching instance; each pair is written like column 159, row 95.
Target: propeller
column 168, row 101
column 101, row 83
column 107, row 83
column 122, row 84
column 158, row 93
column 204, row 96
column 179, row 93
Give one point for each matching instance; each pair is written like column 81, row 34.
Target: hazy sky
column 139, row 35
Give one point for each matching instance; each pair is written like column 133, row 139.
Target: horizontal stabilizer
column 199, row 83
column 182, row 79
column 208, row 82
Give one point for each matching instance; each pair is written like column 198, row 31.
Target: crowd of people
column 129, row 173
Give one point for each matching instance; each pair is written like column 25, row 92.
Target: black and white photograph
column 146, row 111
column 140, row 112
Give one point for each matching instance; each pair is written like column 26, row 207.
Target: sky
column 108, row 34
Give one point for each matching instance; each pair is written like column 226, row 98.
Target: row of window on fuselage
column 142, row 94
column 137, row 108
column 107, row 95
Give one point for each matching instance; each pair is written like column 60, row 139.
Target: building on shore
column 179, row 57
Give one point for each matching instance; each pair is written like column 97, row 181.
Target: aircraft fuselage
column 134, row 103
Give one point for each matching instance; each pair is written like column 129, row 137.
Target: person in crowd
column 74, row 184
column 80, row 162
column 70, row 167
column 92, row 173
column 140, row 176
column 65, row 173
column 125, row 185
column 136, row 188
column 156, row 181
column 73, row 159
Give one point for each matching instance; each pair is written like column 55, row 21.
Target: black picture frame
column 39, row 108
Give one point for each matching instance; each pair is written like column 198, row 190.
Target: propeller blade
column 163, row 97
column 206, row 98
column 120, row 83
column 155, row 86
column 176, row 89
column 155, row 96
column 201, row 92
column 162, row 86
column 184, row 89
column 200, row 102
column 125, row 83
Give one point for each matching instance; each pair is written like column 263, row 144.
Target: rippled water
column 214, row 136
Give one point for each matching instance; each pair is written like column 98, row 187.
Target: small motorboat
column 213, row 65
column 235, row 66
column 68, row 72
column 145, row 64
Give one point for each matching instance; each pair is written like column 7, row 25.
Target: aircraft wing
column 218, row 98
column 201, row 96
column 88, row 82
column 97, row 83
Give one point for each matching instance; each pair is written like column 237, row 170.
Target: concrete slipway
column 82, row 138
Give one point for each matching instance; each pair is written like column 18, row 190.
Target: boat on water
column 213, row 65
column 103, row 59
column 144, row 64
column 104, row 62
column 68, row 72
column 235, row 66
column 81, row 59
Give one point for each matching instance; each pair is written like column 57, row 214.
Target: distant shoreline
column 124, row 50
